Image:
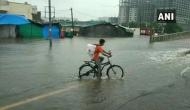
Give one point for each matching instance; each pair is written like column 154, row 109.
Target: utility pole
column 50, row 25
column 72, row 21
column 46, row 10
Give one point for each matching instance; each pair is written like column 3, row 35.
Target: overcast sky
column 82, row 9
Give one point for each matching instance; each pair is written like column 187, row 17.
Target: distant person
column 99, row 50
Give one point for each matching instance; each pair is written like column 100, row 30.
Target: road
column 34, row 77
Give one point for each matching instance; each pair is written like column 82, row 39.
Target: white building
column 133, row 14
column 18, row 8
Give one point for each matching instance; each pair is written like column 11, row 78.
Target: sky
column 82, row 9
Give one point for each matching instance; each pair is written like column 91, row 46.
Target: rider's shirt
column 97, row 52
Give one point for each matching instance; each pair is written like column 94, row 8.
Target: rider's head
column 101, row 42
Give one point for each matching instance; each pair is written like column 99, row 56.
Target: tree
column 133, row 25
column 157, row 27
column 172, row 28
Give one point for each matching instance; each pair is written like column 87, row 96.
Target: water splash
column 169, row 56
column 186, row 70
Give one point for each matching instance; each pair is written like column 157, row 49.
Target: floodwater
column 157, row 75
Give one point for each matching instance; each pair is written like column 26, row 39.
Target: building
column 104, row 19
column 133, row 10
column 144, row 11
column 8, row 22
column 133, row 14
column 113, row 20
column 3, row 6
column 32, row 30
column 128, row 11
column 25, row 9
column 105, row 30
column 138, row 11
column 182, row 8
column 123, row 17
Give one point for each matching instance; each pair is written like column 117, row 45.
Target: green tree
column 157, row 27
column 143, row 25
column 172, row 28
column 133, row 24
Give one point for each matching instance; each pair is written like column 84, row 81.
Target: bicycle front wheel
column 115, row 72
column 86, row 71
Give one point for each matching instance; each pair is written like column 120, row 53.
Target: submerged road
column 33, row 77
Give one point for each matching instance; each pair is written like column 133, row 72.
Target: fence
column 173, row 36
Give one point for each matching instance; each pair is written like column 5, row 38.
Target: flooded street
column 34, row 77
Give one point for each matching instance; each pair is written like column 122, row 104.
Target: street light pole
column 50, row 25
column 72, row 21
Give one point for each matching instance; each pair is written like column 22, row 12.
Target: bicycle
column 90, row 68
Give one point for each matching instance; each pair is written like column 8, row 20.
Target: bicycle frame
column 106, row 64
column 103, row 65
column 94, row 68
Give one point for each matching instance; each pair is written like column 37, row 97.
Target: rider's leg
column 101, row 59
column 99, row 68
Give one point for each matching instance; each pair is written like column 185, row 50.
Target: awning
column 12, row 19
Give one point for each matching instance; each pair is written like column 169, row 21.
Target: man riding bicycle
column 97, row 58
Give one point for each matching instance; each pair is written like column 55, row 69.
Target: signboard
column 166, row 16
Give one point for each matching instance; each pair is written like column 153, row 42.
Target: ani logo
column 166, row 16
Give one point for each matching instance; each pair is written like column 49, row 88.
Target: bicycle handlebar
column 108, row 57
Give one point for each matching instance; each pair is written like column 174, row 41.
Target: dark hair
column 101, row 41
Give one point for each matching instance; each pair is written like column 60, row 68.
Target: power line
column 85, row 13
column 63, row 10
column 60, row 10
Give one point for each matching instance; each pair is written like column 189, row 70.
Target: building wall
column 55, row 33
column 105, row 30
column 31, row 30
column 123, row 17
column 133, row 14
column 182, row 9
column 3, row 6
column 69, row 29
column 146, row 10
column 106, row 19
column 113, row 20
column 7, row 31
column 18, row 8
column 21, row 9
column 136, row 31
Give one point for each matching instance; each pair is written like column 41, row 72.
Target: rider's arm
column 108, row 54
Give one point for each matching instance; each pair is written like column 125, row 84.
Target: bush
column 172, row 28
column 133, row 25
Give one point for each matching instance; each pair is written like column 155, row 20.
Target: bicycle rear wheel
column 86, row 72
column 115, row 72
